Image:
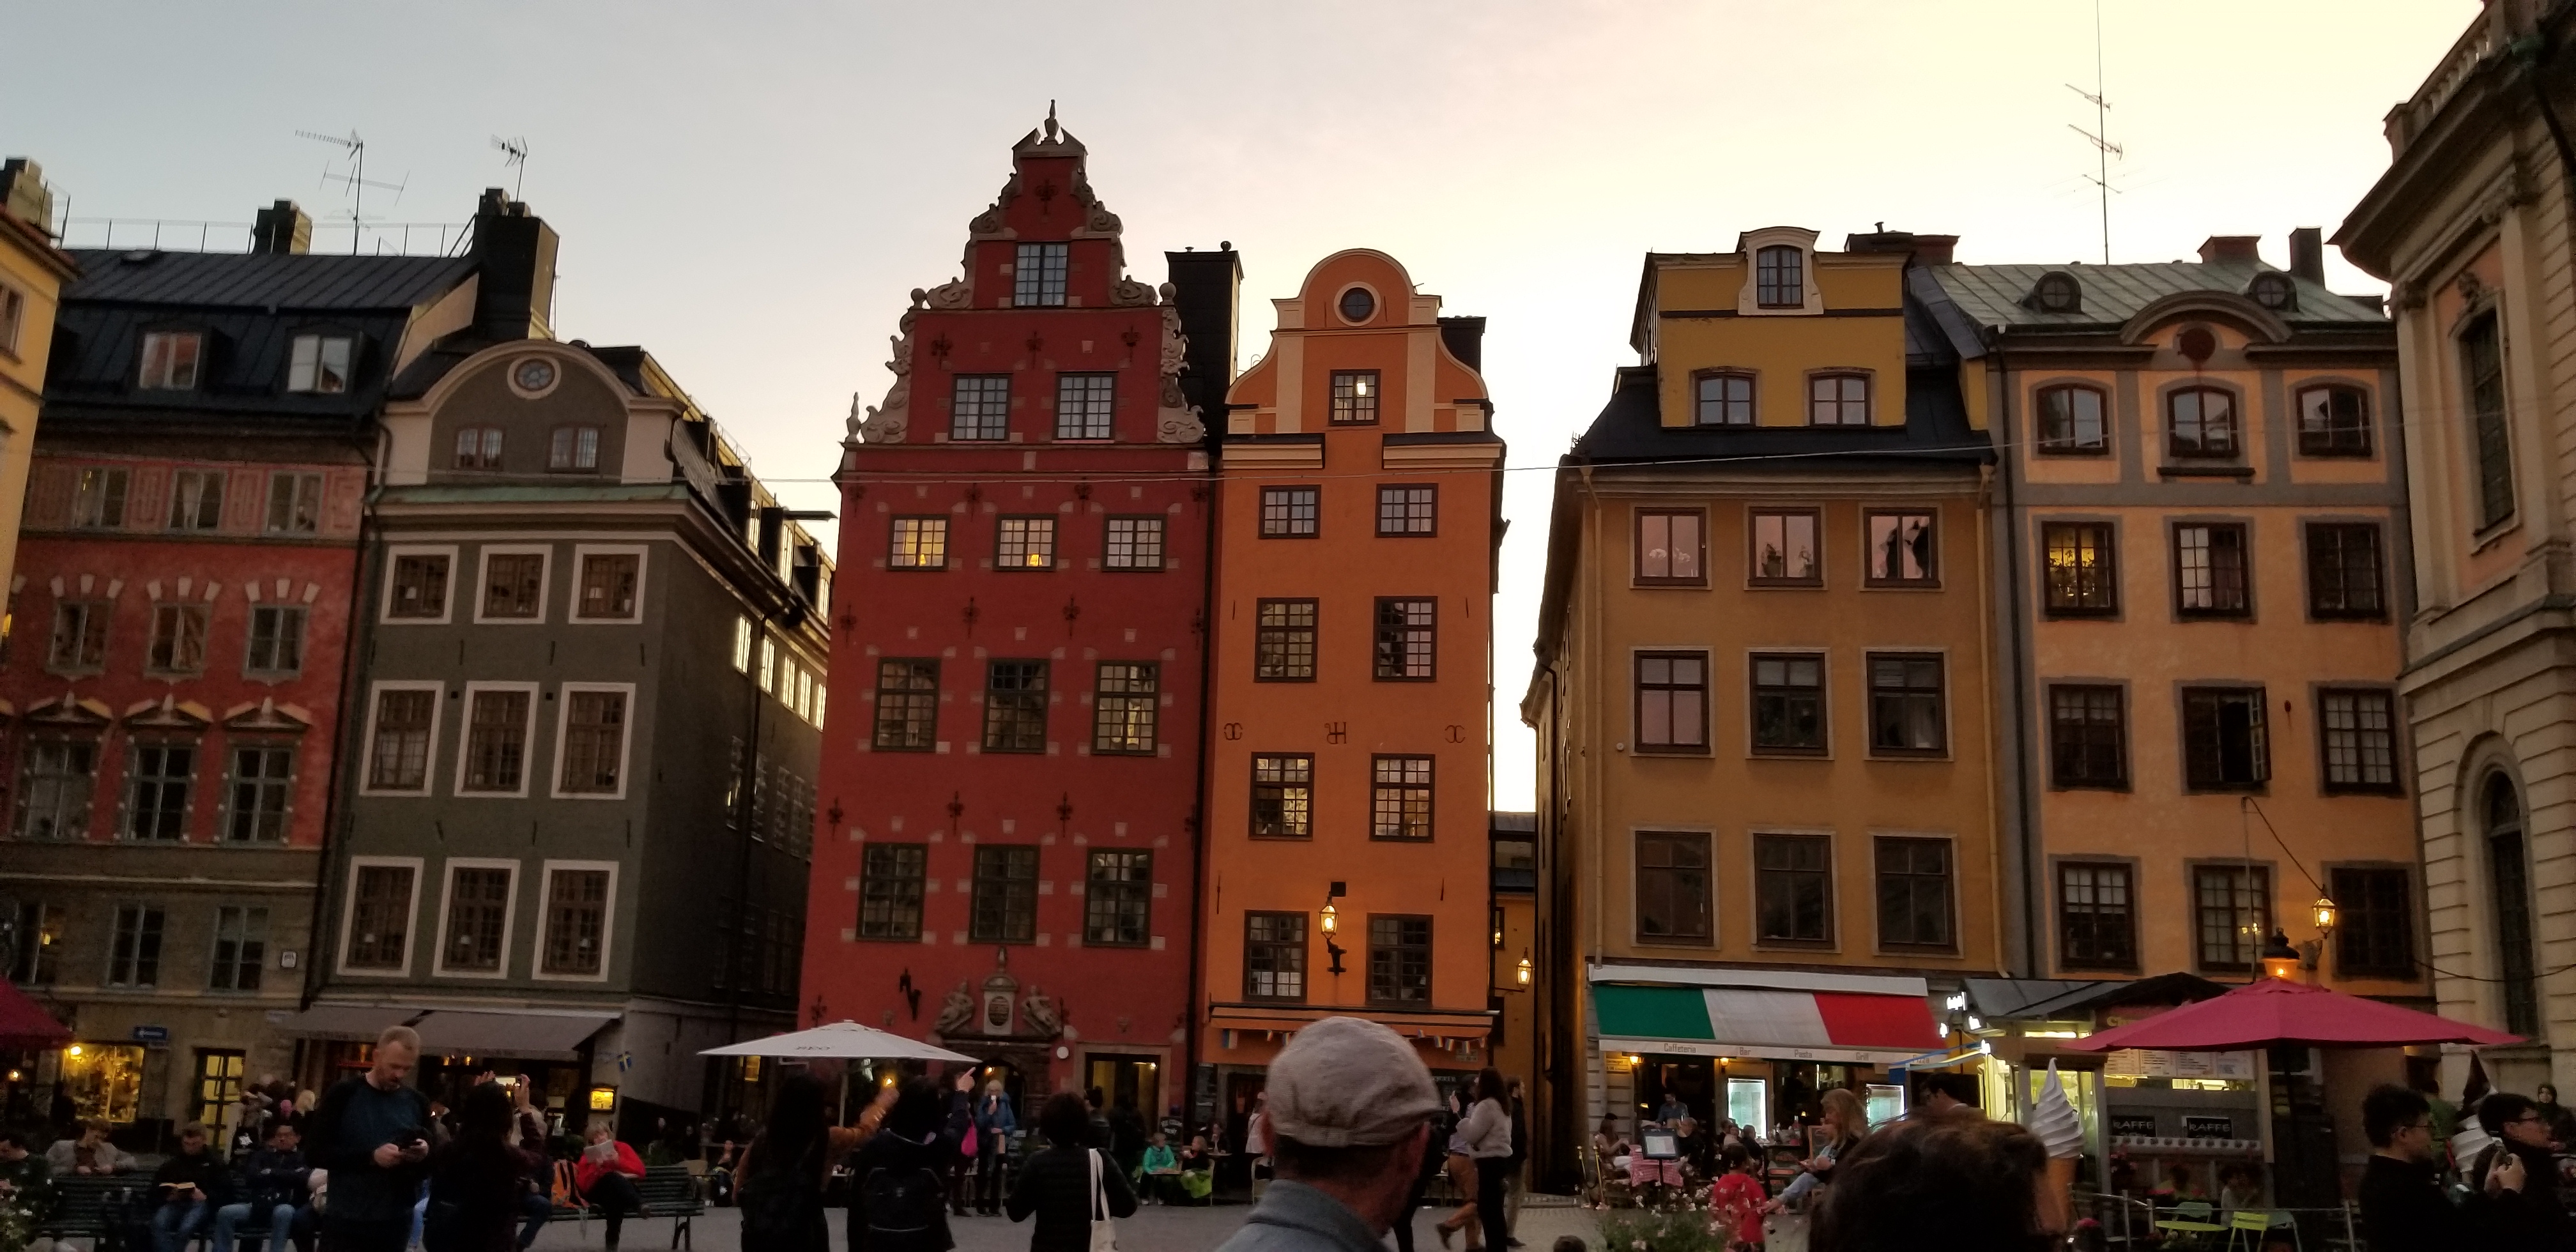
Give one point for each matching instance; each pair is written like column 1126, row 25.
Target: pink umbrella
column 25, row 1027
column 2277, row 1010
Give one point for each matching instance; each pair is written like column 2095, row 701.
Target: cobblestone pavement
column 1153, row 1229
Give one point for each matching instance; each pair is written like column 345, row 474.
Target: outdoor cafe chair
column 2191, row 1220
column 2253, row 1224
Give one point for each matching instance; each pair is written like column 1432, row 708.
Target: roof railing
column 167, row 235
column 2411, row 118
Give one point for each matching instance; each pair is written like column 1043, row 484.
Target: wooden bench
column 84, row 1204
column 666, row 1191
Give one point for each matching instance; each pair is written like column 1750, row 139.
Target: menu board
column 2141, row 1063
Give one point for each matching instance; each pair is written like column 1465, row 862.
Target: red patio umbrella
column 24, row 1027
column 2277, row 1010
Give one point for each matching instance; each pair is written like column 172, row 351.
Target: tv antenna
column 517, row 148
column 2099, row 136
column 356, row 181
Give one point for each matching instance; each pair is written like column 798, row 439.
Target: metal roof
column 271, row 282
column 1993, row 295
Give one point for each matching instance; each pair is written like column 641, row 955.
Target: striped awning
column 1766, row 1023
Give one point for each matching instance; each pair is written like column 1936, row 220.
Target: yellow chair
column 2255, row 1223
column 2191, row 1219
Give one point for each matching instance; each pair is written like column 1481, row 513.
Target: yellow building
column 32, row 274
column 1767, row 827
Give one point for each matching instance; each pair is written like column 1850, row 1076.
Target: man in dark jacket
column 2524, row 1211
column 2402, row 1208
column 371, row 1134
column 1056, row 1184
column 190, row 1187
column 269, row 1190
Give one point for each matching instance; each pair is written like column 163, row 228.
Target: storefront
column 555, row 1050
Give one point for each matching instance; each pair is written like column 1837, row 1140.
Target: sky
column 750, row 189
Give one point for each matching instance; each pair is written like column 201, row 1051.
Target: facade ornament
column 1043, row 1017
column 2470, row 286
column 1177, row 420
column 1098, row 222
column 2511, row 190
column 958, row 294
column 1176, row 346
column 887, row 423
column 2406, row 294
column 957, row 1011
column 1128, row 293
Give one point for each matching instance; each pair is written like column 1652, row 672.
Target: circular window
column 2058, row 293
column 533, row 375
column 1357, row 305
column 2273, row 291
column 2196, row 343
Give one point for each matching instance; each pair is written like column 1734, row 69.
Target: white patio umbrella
column 843, row 1040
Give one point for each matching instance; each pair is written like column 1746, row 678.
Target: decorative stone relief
column 2511, row 190
column 1128, row 293
column 958, row 294
column 989, row 224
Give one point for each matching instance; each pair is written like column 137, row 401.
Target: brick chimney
column 282, row 230
column 514, row 251
column 1924, row 249
column 2226, row 249
column 24, row 194
column 2308, row 254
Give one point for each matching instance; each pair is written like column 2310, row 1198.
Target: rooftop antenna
column 356, row 181
column 2103, row 148
column 517, row 148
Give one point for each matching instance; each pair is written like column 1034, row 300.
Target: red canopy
column 2277, row 1010
column 24, row 1027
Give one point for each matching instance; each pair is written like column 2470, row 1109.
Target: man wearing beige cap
column 1350, row 1110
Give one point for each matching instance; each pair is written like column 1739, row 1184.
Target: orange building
column 1359, row 526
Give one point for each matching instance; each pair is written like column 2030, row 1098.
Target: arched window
column 1779, row 277
column 2200, row 422
column 2509, row 882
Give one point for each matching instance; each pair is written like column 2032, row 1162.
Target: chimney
column 1207, row 288
column 2308, row 254
column 514, row 253
column 24, row 194
column 1465, row 338
column 282, row 230
column 1923, row 249
column 2231, row 249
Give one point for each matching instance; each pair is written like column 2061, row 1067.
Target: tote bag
column 1104, row 1235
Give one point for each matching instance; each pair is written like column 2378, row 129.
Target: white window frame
column 546, row 871
column 446, row 903
column 742, row 630
column 465, row 736
column 367, row 746
column 545, row 581
column 563, row 728
column 295, row 361
column 643, row 554
column 13, row 317
column 447, row 611
column 349, row 915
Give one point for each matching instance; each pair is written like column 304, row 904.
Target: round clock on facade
column 534, row 375
column 1357, row 304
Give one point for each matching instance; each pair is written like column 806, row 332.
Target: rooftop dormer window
column 319, row 364
column 170, row 360
column 1779, row 277
column 1037, row 280
column 2057, row 292
column 2273, row 290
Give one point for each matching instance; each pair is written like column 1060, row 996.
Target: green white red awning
column 1861, row 1027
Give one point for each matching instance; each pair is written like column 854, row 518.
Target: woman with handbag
column 1073, row 1190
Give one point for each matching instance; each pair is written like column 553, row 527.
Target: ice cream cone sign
column 2052, row 1119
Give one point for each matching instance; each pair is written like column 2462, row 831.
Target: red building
column 1008, row 847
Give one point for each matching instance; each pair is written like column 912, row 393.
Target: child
column 1161, row 1170
column 1736, row 1200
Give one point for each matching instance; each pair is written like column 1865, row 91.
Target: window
column 1400, row 797
column 1913, row 893
column 2509, row 886
column 319, row 364
column 398, row 748
column 197, row 500
column 13, row 316
column 1356, row 304
column 1085, row 405
column 2200, row 422
column 514, row 585
column 178, row 639
column 478, row 448
column 982, row 407
column 1399, row 960
column 1283, row 797
column 134, row 955
column 1290, row 512
column 769, row 664
column 1405, row 640
column 1274, row 956
column 574, row 448
column 907, row 706
column 576, row 922
column 1354, row 397
column 1838, row 400
column 170, row 360
column 40, row 945
column 54, row 785
column 919, row 543
column 2232, row 915
column 2225, row 747
column 1135, row 543
column 1408, row 510
column 2080, row 569
column 276, row 640
column 1779, row 277
column 608, row 585
column 1117, row 899
column 1793, row 889
column 1784, row 549
column 1015, row 706
column 742, row 645
column 1905, row 706
column 2343, row 571
column 294, row 504
column 1900, row 550
column 1025, row 543
column 263, row 783
column 1789, row 703
column 1283, row 647
column 1672, row 887
column 157, row 793
column 1672, row 547
column 2482, row 366
column 2375, row 922
column 496, row 741
column 2070, row 421
column 380, row 917
column 2087, row 736
column 594, row 742
column 1672, row 702
column 2209, row 570
column 1123, row 707
column 80, row 636
column 98, row 499
column 1724, row 400
column 1005, row 906
column 420, row 586
column 241, row 948
column 2334, row 421
column 1037, row 279
column 2097, row 921
column 890, row 882
column 2359, row 725
column 478, row 918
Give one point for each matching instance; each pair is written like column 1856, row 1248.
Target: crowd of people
column 2486, row 1176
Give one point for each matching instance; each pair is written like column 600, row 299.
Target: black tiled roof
column 272, row 282
column 1630, row 430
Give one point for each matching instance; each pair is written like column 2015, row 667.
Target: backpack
column 904, row 1208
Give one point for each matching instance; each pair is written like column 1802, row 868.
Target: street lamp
column 2280, row 960
column 2323, row 914
column 1521, row 973
column 1330, row 922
